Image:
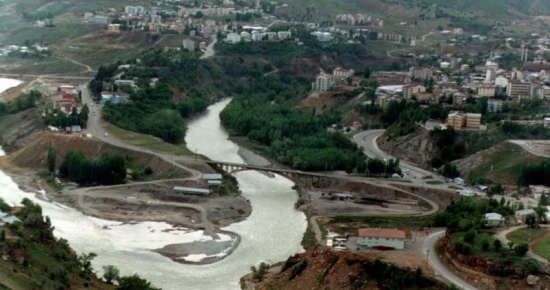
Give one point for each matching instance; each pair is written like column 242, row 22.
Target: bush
column 521, row 249
column 485, row 246
column 497, row 244
column 470, row 236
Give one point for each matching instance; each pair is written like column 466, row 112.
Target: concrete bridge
column 299, row 177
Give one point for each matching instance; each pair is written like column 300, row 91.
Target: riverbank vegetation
column 297, row 139
column 470, row 235
column 108, row 169
column 35, row 259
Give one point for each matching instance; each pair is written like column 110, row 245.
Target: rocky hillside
column 415, row 147
column 323, row 268
column 17, row 130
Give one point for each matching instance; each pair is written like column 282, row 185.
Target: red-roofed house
column 376, row 237
column 67, row 96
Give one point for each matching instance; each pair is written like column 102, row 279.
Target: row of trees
column 297, row 139
column 108, row 169
column 58, row 118
column 20, row 104
column 535, row 173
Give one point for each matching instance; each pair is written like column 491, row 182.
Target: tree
column 259, row 273
column 52, row 154
column 470, row 236
column 511, row 245
column 521, row 249
column 531, row 221
column 134, row 282
column 497, row 244
column 110, row 273
column 367, row 73
column 85, row 263
column 485, row 246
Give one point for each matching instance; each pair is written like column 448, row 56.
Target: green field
column 434, row 182
column 146, row 141
column 500, row 163
column 543, row 249
column 525, row 235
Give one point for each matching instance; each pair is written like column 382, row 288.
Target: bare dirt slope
column 33, row 156
column 324, row 268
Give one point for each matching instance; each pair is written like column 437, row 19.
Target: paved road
column 209, row 49
column 59, row 76
column 96, row 129
column 438, row 267
column 367, row 141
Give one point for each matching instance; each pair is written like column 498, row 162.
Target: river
column 271, row 233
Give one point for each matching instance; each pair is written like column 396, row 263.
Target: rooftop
column 382, row 233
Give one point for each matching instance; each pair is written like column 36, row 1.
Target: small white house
column 494, row 219
column 458, row 181
column 522, row 214
column 376, row 237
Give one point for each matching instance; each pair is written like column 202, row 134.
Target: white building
column 342, row 74
column 256, row 36
column 322, row 36
column 189, row 44
column 501, row 81
column 323, row 82
column 284, row 34
column 233, row 38
column 376, row 237
column 494, row 219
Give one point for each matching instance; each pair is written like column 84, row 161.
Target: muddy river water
column 271, row 233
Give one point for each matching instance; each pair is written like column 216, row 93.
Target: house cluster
column 325, row 82
column 65, row 97
column 358, row 19
column 256, row 33
column 5, row 50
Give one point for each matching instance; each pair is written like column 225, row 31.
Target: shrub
column 485, row 246
column 470, row 236
column 497, row 244
column 521, row 249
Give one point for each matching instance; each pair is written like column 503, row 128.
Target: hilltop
column 324, row 268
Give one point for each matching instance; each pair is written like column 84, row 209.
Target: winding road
column 439, row 268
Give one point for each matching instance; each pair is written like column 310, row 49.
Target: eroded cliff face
column 19, row 129
column 324, row 268
column 416, row 147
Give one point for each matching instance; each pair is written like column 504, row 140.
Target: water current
column 270, row 234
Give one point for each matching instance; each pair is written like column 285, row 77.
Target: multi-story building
column 412, row 89
column 518, row 88
column 342, row 74
column 284, row 34
column 501, row 81
column 323, row 82
column 494, row 106
column 486, row 90
column 473, row 120
column 544, row 92
column 456, row 120
column 420, row 73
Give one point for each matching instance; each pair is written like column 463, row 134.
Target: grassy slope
column 504, row 159
column 34, row 155
column 43, row 263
